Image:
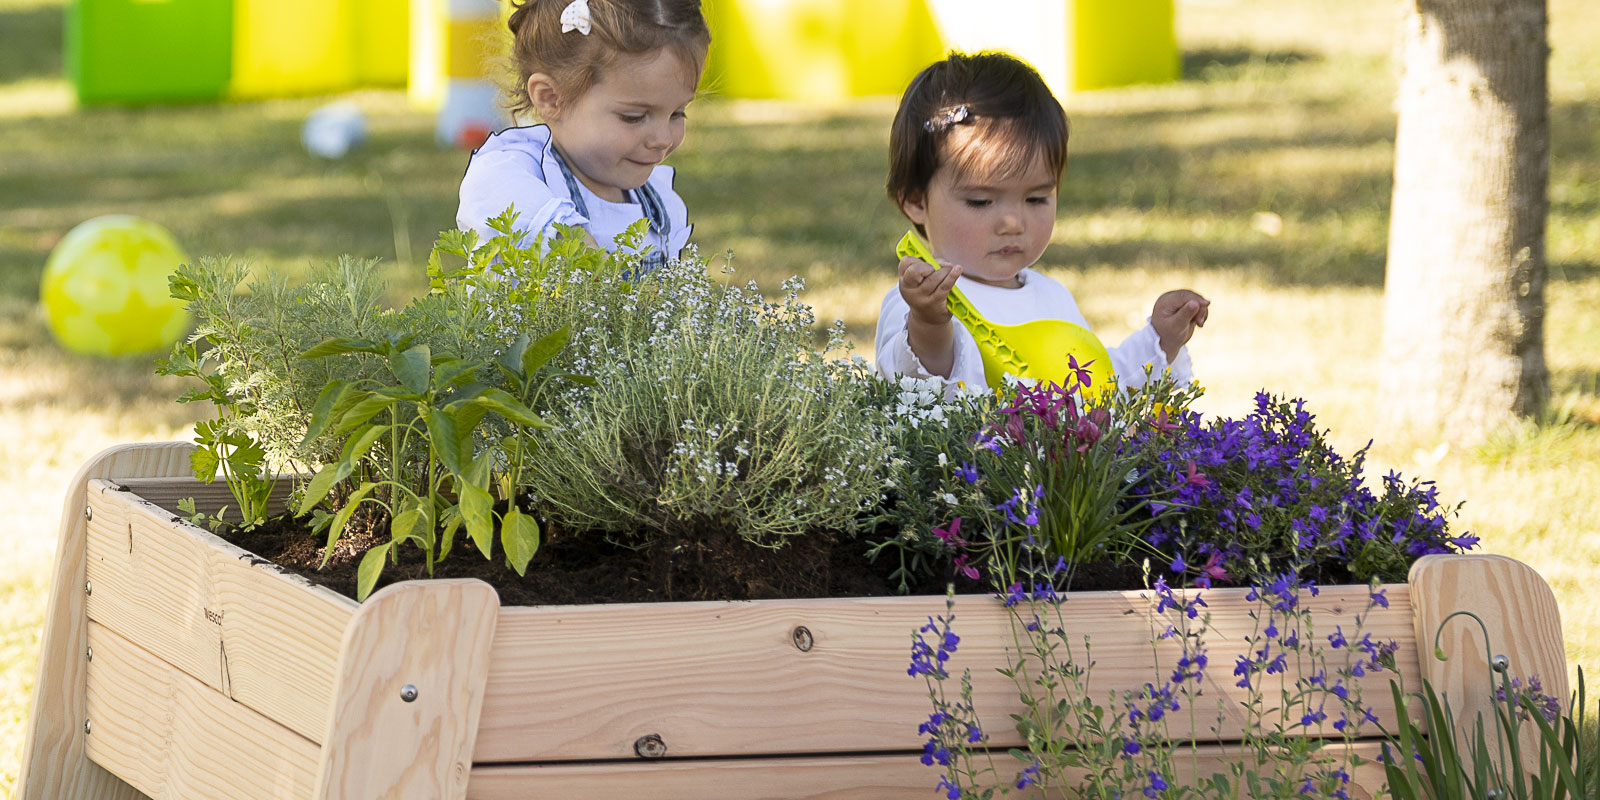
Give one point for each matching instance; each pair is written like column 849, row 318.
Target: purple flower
column 1157, row 785
column 1336, row 639
column 1028, row 777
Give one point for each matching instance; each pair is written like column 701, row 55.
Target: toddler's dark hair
column 617, row 27
column 1012, row 116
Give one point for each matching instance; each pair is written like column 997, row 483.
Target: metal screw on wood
column 87, row 728
column 650, row 746
column 88, row 512
column 1500, row 664
column 88, row 655
column 408, row 693
column 88, row 587
column 803, row 639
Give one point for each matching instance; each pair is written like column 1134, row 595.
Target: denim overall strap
column 572, row 183
column 655, row 211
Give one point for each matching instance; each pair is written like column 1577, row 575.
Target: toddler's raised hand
column 925, row 289
column 928, row 328
column 1175, row 316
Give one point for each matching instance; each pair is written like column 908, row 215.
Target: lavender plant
column 1300, row 697
column 1255, row 493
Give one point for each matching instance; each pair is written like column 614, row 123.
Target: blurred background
column 1257, row 170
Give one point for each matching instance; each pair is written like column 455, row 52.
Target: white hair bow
column 575, row 17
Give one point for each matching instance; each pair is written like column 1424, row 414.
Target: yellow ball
column 105, row 288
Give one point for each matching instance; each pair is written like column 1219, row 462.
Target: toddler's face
column 629, row 121
column 994, row 227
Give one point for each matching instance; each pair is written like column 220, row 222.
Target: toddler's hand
column 925, row 289
column 1175, row 316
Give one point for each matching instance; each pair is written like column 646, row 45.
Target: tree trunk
column 1464, row 295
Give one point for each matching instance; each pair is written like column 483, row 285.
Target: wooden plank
column 263, row 637
column 53, row 762
column 1518, row 612
column 409, row 690
column 208, row 497
column 898, row 776
column 720, row 679
column 174, row 737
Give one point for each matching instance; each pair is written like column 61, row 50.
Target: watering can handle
column 960, row 307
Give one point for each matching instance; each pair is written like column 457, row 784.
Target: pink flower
column 1088, row 433
column 1080, row 372
column 1213, row 568
column 1193, row 478
column 963, row 568
column 951, row 535
column 1161, row 422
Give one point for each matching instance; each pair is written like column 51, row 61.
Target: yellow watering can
column 1037, row 349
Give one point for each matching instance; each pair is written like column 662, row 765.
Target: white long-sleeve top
column 1039, row 297
column 520, row 166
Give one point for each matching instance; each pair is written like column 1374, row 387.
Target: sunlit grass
column 1262, row 180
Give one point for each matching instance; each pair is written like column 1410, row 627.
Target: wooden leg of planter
column 1520, row 616
column 408, row 693
column 54, row 766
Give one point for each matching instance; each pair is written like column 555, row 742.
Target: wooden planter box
column 176, row 665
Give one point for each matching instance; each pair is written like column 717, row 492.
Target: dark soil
column 587, row 569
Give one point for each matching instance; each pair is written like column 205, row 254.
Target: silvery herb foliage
column 711, row 410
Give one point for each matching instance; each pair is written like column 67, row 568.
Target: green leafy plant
column 417, row 416
column 434, row 407
column 223, row 446
column 1441, row 766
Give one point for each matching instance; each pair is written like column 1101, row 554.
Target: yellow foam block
column 818, row 50
column 290, row 47
column 1123, row 42
column 380, row 34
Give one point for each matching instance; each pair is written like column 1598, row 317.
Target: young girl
column 610, row 79
column 976, row 157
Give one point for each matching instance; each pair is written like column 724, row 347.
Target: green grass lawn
column 1262, row 180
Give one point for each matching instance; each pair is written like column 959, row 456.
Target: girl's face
column 628, row 122
column 993, row 226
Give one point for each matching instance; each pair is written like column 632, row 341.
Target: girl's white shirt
column 1039, row 297
column 517, row 166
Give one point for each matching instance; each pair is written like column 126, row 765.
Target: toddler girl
column 976, row 156
column 610, row 79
